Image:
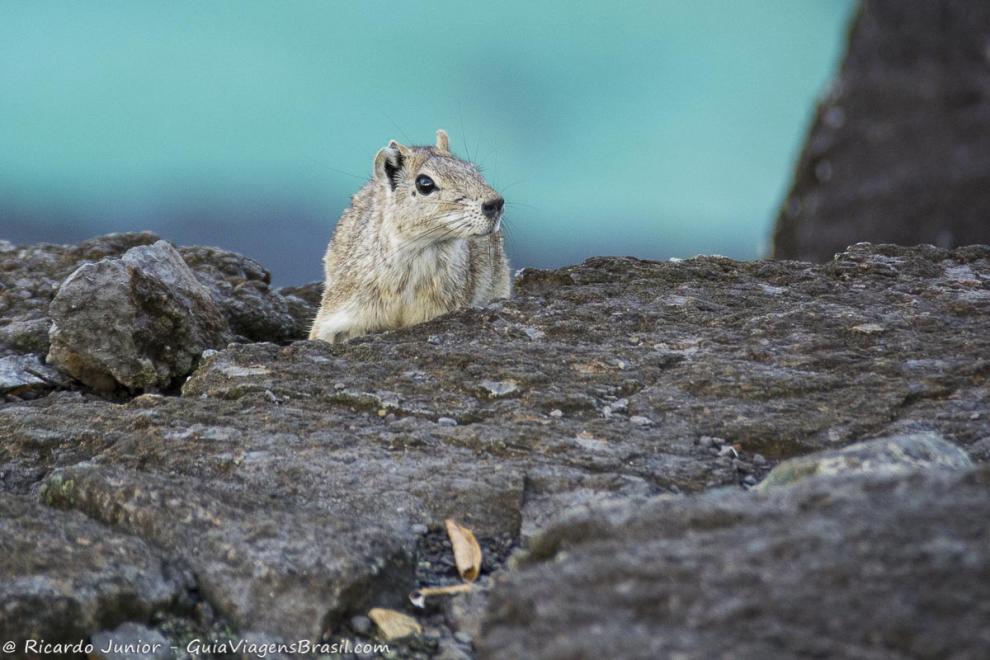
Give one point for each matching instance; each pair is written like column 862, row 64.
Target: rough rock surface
column 25, row 376
column 31, row 275
column 140, row 321
column 65, row 576
column 303, row 483
column 874, row 567
column 899, row 151
column 240, row 287
column 902, row 453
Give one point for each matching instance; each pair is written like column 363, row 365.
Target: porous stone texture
column 872, row 566
column 140, row 321
column 899, row 151
column 903, row 453
column 131, row 641
column 30, row 276
column 240, row 286
column 25, row 376
column 302, row 483
column 64, row 576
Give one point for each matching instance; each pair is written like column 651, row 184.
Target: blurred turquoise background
column 652, row 129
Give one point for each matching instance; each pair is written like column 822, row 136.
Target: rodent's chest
column 431, row 284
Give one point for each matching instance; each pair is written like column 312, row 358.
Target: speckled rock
column 263, row 566
column 870, row 566
column 25, row 374
column 903, row 453
column 139, row 322
column 64, row 576
column 240, row 286
column 31, row 275
column 315, row 472
column 130, row 641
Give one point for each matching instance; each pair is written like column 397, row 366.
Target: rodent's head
column 432, row 195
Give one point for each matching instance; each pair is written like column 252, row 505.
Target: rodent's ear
column 389, row 162
column 443, row 142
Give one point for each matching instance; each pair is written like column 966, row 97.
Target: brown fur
column 399, row 257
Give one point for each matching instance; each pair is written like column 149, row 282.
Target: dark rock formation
column 25, row 376
column 902, row 453
column 30, row 277
column 303, row 483
column 63, row 576
column 856, row 567
column 139, row 321
column 240, row 287
column 900, row 147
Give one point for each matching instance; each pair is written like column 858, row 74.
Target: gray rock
column 303, row 302
column 240, row 286
column 361, row 624
column 883, row 455
column 864, row 566
column 270, row 568
column 130, row 641
column 64, row 577
column 899, row 151
column 310, row 471
column 25, row 373
column 30, row 277
column 140, row 321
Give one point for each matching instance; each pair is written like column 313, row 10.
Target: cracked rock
column 140, row 321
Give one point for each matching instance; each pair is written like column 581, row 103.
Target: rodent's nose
column 493, row 207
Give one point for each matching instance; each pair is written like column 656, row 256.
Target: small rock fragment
column 140, row 321
column 868, row 328
column 499, row 388
column 361, row 624
column 882, row 456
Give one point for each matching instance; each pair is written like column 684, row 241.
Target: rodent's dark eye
column 425, row 185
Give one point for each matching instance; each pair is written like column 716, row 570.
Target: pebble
column 556, row 413
column 749, row 480
column 497, row 388
column 419, row 528
column 447, row 421
column 758, row 459
column 361, row 624
column 709, row 441
column 639, row 420
column 534, row 334
column 463, row 637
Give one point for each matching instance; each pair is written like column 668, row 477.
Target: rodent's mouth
column 493, row 229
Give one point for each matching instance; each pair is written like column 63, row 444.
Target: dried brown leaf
column 394, row 625
column 467, row 552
